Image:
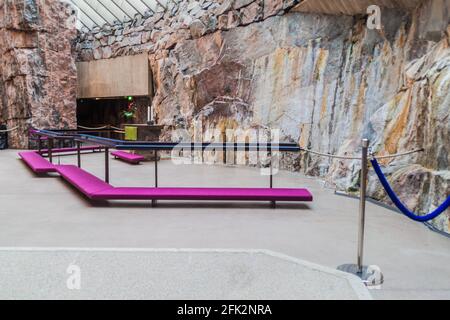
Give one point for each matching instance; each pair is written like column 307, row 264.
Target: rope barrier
column 9, row 130
column 399, row 154
column 444, row 206
column 89, row 128
column 359, row 158
column 100, row 128
column 329, row 155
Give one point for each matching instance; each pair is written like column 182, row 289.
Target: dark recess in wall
column 96, row 113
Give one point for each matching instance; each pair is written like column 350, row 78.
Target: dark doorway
column 112, row 111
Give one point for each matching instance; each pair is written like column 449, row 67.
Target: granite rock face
column 325, row 81
column 37, row 67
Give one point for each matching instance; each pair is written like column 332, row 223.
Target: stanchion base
column 371, row 276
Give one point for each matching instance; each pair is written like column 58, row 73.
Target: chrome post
column 362, row 203
column 370, row 275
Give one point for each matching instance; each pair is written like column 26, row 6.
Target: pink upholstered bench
column 128, row 157
column 36, row 162
column 87, row 183
column 221, row 194
column 95, row 188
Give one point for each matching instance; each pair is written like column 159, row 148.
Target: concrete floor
column 186, row 274
column 46, row 212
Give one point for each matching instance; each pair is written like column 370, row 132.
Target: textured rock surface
column 37, row 67
column 326, row 81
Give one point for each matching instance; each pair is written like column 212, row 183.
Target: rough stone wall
column 37, row 66
column 325, row 80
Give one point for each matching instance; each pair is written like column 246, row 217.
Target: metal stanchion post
column 371, row 276
column 362, row 203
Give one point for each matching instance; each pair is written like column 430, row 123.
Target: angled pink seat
column 87, row 183
column 94, row 188
column 236, row 194
column 128, row 157
column 36, row 162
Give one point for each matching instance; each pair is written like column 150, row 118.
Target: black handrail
column 158, row 145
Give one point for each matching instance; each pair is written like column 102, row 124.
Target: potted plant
column 130, row 112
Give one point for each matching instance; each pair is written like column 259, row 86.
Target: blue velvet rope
column 400, row 205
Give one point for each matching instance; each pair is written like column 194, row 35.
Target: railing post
column 362, row 203
column 154, row 202
column 79, row 154
column 106, row 164
column 156, row 169
column 273, row 204
column 49, row 151
column 39, row 145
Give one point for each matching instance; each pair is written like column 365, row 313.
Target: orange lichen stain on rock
column 320, row 64
column 359, row 108
column 323, row 105
column 278, row 69
column 226, row 124
column 304, row 134
column 279, row 55
column 295, row 70
column 396, row 130
column 401, row 40
column 386, row 52
column 447, row 39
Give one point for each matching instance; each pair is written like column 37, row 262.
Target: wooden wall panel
column 118, row 77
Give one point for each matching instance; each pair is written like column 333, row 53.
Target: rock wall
column 325, row 80
column 37, row 67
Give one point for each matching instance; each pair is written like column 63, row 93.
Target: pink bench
column 95, row 188
column 85, row 182
column 36, row 162
column 221, row 194
column 128, row 157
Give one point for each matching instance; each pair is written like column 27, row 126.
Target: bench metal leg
column 272, row 203
column 107, row 165
column 154, row 202
column 39, row 145
column 79, row 154
column 50, row 147
column 156, row 169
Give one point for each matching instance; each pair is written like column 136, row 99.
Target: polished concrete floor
column 46, row 212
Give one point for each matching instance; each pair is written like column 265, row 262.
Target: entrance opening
column 112, row 111
column 116, row 112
